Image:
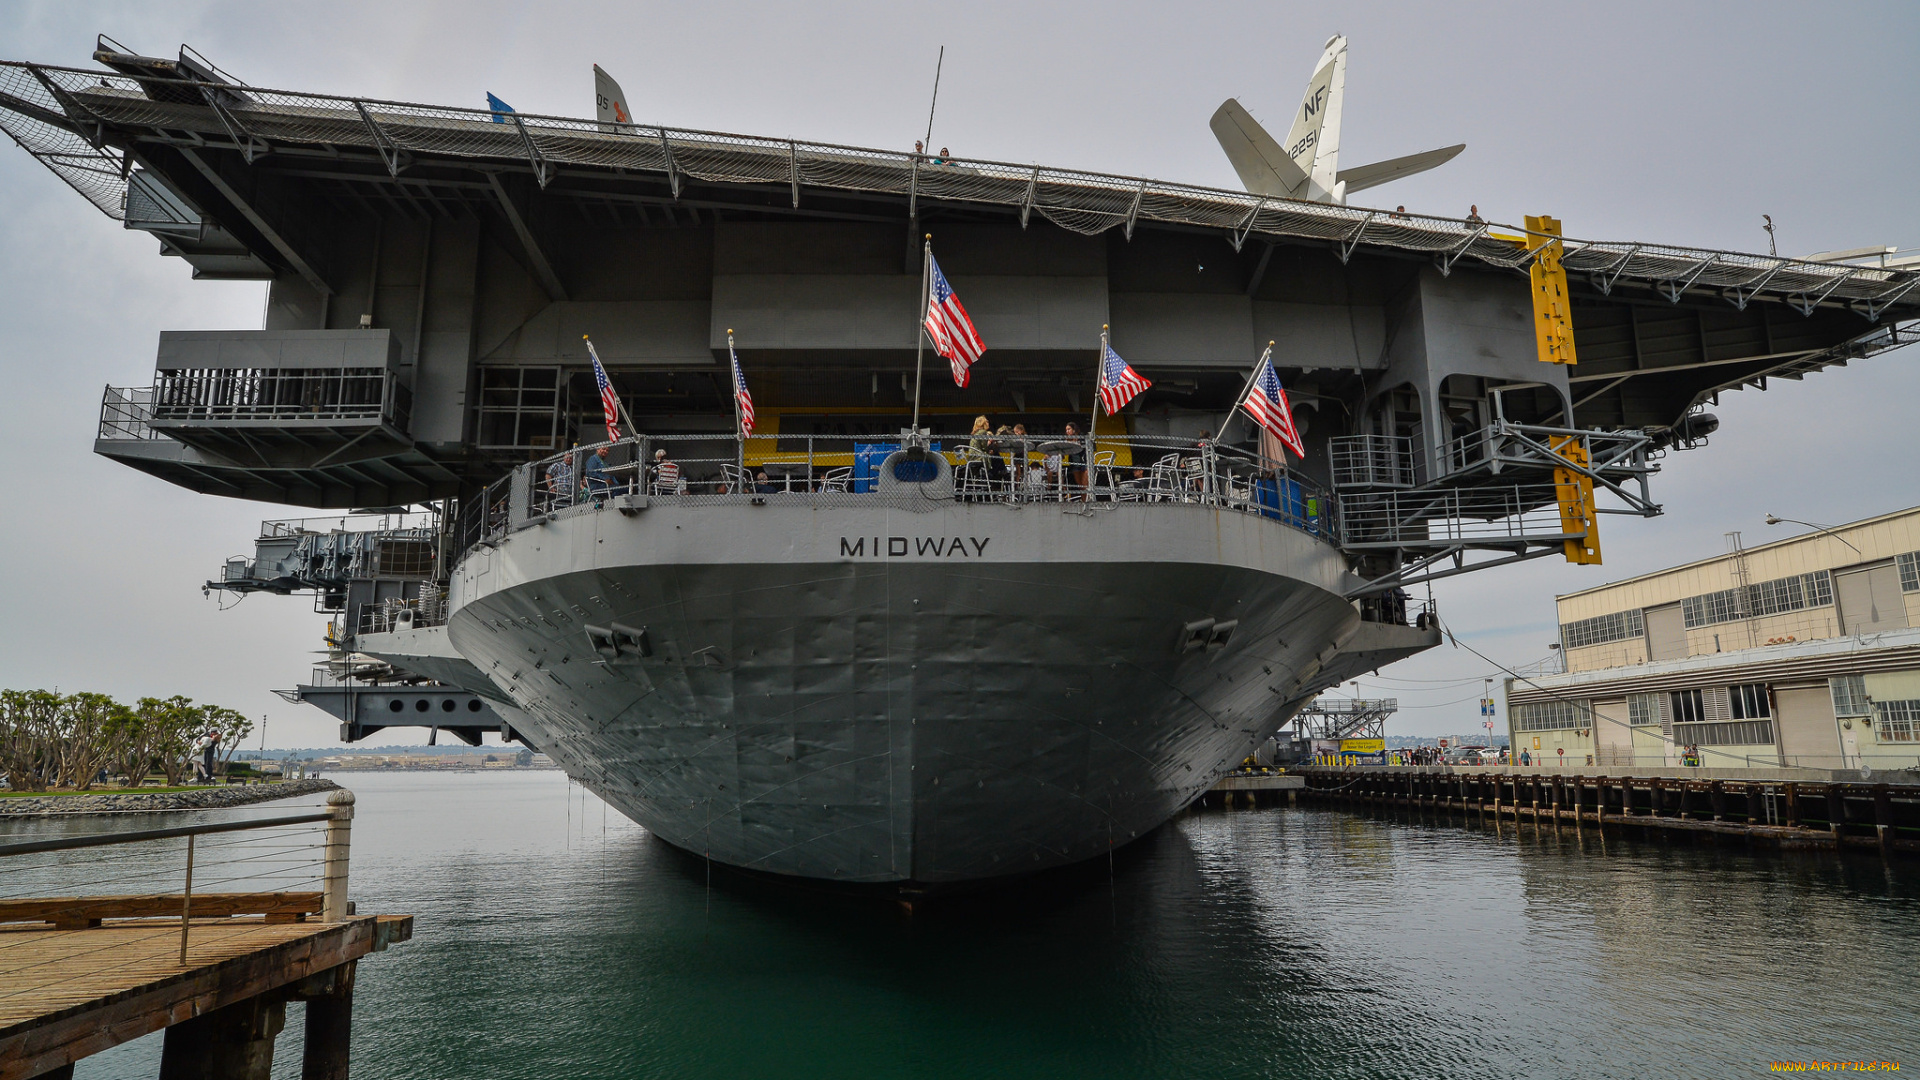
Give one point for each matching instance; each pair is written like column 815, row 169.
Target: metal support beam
column 1345, row 247
column 1674, row 288
column 300, row 263
column 1808, row 302
column 1241, row 230
column 1606, row 280
column 1133, row 212
column 1742, row 294
column 542, row 269
column 242, row 137
column 389, row 152
column 1878, row 304
column 542, row 172
column 673, row 174
column 1026, row 204
column 793, row 170
column 1447, row 259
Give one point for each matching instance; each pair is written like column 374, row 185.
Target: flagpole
column 632, row 431
column 1099, row 380
column 1093, row 414
column 920, row 330
column 739, row 430
column 1240, row 403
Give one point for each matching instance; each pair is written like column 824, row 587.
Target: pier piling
column 1766, row 810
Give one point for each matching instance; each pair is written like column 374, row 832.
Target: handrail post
column 333, row 877
column 186, row 902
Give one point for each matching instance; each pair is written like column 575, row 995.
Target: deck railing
column 845, row 472
column 284, row 868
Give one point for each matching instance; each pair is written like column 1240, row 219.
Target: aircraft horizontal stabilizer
column 1264, row 168
column 1363, row 177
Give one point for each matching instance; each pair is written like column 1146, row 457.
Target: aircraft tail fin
column 1362, row 177
column 1264, row 168
column 609, row 101
column 1314, row 140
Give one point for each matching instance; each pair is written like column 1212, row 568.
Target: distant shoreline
column 206, row 798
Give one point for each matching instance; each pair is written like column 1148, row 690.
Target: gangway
column 1518, row 490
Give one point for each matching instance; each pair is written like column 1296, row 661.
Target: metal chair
column 735, row 478
column 1165, row 479
column 972, row 474
column 839, row 479
column 1101, row 474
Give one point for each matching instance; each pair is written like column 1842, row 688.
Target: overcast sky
column 1672, row 122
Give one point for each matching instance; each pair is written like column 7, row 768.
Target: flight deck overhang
column 485, row 246
column 94, row 128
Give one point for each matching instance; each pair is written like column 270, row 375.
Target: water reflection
column 557, row 940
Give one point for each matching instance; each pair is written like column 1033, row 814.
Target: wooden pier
column 82, row 974
column 1779, row 812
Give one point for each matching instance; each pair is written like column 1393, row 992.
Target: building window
column 1898, row 720
column 1643, row 710
column 1725, row 733
column 520, row 409
column 1909, row 571
column 1774, row 597
column 1549, row 715
column 1713, row 607
column 1602, row 629
column 1819, row 587
column 1686, row 706
column 1749, row 701
column 1849, row 695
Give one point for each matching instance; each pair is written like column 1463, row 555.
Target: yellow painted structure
column 1575, row 492
column 1552, row 311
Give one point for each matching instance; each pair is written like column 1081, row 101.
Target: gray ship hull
column 999, row 690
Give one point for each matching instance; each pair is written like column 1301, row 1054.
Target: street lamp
column 1774, row 519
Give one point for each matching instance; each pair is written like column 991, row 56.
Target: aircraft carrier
column 893, row 661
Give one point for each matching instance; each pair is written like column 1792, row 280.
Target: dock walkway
column 1781, row 812
column 69, row 994
column 80, row 974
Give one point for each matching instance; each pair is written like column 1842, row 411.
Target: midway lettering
column 926, row 547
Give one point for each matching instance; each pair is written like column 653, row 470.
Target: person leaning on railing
column 594, row 474
column 560, row 478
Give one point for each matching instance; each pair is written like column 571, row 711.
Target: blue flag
column 498, row 107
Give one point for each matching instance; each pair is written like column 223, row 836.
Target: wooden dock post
column 230, row 1043
column 333, row 873
column 329, row 1032
column 1883, row 814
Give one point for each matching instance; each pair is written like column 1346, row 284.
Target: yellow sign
column 1536, row 742
column 1575, row 492
column 1363, row 746
column 1552, row 310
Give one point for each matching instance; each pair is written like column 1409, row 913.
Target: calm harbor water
column 556, row 939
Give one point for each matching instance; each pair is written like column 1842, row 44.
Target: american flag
column 1266, row 402
column 1118, row 382
column 609, row 401
column 947, row 324
column 740, row 392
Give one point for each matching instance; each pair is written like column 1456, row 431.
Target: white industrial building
column 1802, row 652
